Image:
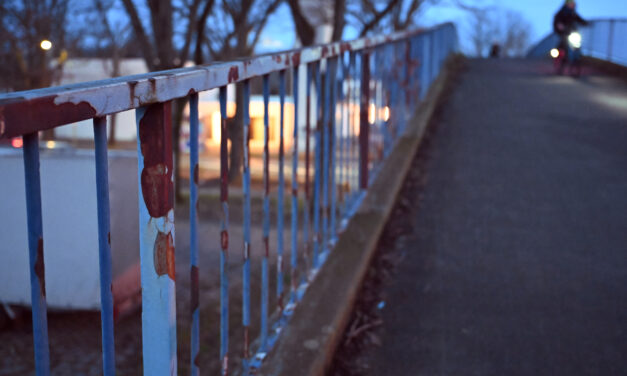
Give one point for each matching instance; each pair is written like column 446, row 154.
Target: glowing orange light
column 17, row 142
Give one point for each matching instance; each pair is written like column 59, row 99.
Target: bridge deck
column 518, row 261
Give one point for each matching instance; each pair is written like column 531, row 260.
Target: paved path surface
column 518, row 262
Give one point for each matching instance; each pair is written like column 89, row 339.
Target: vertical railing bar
column 342, row 137
column 157, row 238
column 247, row 242
column 281, row 192
column 36, row 253
column 104, row 245
column 325, row 155
column 352, row 132
column 224, row 235
column 307, row 207
column 610, row 41
column 317, row 172
column 294, row 232
column 193, row 231
column 355, row 138
column 266, row 217
column 332, row 145
column 363, row 121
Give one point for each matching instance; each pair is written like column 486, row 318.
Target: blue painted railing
column 365, row 91
column 602, row 39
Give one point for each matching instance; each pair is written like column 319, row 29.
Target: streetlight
column 45, row 45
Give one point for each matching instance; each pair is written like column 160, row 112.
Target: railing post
column 224, row 235
column 156, row 238
column 364, row 134
column 610, row 41
column 194, row 172
column 104, row 245
column 36, row 253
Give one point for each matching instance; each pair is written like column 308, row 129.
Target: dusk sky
column 279, row 33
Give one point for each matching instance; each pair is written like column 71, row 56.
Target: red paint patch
column 194, row 287
column 20, row 116
column 196, row 174
column 164, row 255
column 39, row 267
column 156, row 146
column 233, row 74
column 296, row 58
column 131, row 91
column 277, row 58
column 345, row 47
column 224, row 240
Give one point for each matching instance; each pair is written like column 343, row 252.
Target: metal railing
column 601, row 39
column 605, row 40
column 359, row 95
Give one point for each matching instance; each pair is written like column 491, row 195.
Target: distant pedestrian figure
column 495, row 51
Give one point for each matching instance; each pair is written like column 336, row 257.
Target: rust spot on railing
column 164, row 255
column 233, row 74
column 19, row 116
column 153, row 85
column 325, row 51
column 156, row 176
column 224, row 240
column 131, row 91
column 39, row 267
column 296, row 58
column 194, row 287
column 109, row 238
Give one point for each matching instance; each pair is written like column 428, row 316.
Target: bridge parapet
column 602, row 39
column 358, row 97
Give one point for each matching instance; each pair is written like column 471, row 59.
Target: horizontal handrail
column 41, row 109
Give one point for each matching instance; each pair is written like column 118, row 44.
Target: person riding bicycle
column 565, row 21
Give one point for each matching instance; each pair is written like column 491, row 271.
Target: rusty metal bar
column 326, row 124
column 224, row 235
column 294, row 230
column 317, row 165
column 307, row 207
column 364, row 127
column 194, row 172
column 156, row 239
column 35, row 110
column 342, row 133
column 281, row 193
column 246, row 268
column 333, row 147
column 354, row 121
column 36, row 253
column 266, row 218
column 104, row 245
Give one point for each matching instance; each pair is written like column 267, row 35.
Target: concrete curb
column 309, row 340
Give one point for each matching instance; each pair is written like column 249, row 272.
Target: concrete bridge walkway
column 518, row 261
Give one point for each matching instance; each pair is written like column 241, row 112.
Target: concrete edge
column 607, row 67
column 309, row 340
